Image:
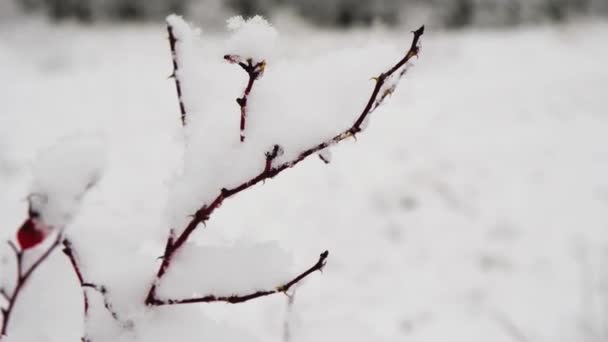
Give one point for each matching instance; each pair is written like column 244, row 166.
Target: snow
column 61, row 176
column 298, row 103
column 239, row 269
column 473, row 203
column 251, row 38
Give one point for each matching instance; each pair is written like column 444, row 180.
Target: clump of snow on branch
column 297, row 104
column 184, row 35
column 253, row 38
column 240, row 268
column 61, row 176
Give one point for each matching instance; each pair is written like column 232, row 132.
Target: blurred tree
column 30, row 5
column 87, row 10
column 346, row 13
column 249, row 8
column 556, row 9
column 61, row 9
column 342, row 13
column 460, row 13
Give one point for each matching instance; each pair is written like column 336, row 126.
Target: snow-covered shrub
column 135, row 287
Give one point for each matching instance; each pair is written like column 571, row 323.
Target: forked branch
column 269, row 169
column 233, row 299
column 22, row 277
column 68, row 250
column 102, row 290
column 254, row 71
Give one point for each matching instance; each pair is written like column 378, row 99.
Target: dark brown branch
column 287, row 322
column 254, row 72
column 103, row 291
column 271, row 156
column 4, row 294
column 203, row 214
column 172, row 43
column 68, row 250
column 318, row 266
column 23, row 276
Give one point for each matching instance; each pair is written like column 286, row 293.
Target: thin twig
column 270, row 170
column 254, row 72
column 103, row 291
column 22, row 277
column 68, row 250
column 4, row 294
column 510, row 327
column 287, row 333
column 172, row 43
column 233, row 299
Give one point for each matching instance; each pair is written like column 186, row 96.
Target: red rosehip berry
column 31, row 233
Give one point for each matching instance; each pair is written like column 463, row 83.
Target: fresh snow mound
column 253, row 38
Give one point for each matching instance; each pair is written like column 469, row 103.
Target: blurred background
column 329, row 13
column 474, row 208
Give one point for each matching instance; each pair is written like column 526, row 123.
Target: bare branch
column 288, row 313
column 4, row 294
column 172, row 43
column 15, row 249
column 318, row 266
column 103, row 291
column 269, row 171
column 22, row 277
column 68, row 250
column 254, row 72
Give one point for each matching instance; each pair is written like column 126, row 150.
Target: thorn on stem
column 323, row 159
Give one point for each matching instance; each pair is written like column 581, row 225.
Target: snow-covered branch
column 385, row 84
column 275, row 133
column 233, row 299
column 62, row 176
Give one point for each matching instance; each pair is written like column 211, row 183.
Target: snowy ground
column 474, row 208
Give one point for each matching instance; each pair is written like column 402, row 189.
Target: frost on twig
column 266, row 148
column 384, row 85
